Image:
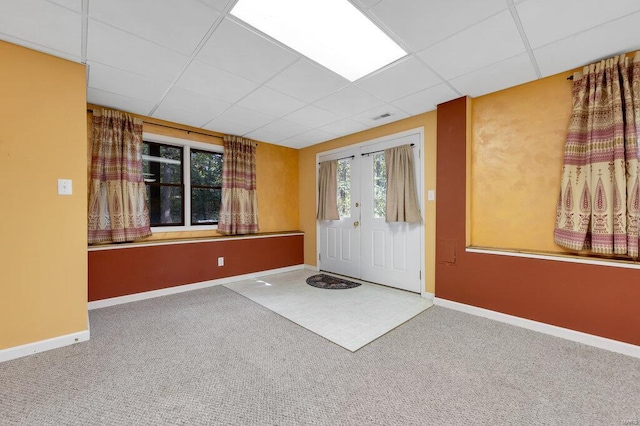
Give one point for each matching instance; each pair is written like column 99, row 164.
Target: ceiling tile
column 218, row 5
column 179, row 26
column 110, row 46
column 265, row 136
column 426, row 100
column 307, row 81
column 242, row 51
column 75, row 5
column 368, row 3
column 222, row 126
column 513, row 71
column 349, row 101
column 284, row 129
column 403, row 78
column 312, row 116
column 306, row 139
column 571, row 53
column 190, row 118
column 125, row 83
column 421, row 24
column 119, row 102
column 197, row 103
column 246, row 117
column 343, row 127
column 214, row 82
column 490, row 41
column 42, row 24
column 546, row 21
column 366, row 117
column 271, row 102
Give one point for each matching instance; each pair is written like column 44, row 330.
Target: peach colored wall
column 276, row 172
column 517, row 144
column 308, row 191
column 43, row 235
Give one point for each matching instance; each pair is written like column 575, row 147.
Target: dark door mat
column 329, row 282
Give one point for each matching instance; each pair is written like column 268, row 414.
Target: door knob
column 355, row 224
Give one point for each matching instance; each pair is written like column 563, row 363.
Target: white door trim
column 356, row 146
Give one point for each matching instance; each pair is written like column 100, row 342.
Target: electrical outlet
column 221, row 261
column 64, row 187
column 431, row 195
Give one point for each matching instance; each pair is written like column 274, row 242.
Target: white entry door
column 362, row 244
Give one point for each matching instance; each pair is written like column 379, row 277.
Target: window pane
column 165, row 205
column 379, row 185
column 205, row 206
column 161, row 163
column 206, row 168
column 344, row 188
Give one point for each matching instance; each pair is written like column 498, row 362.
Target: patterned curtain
column 117, row 206
column 598, row 207
column 328, row 191
column 402, row 194
column 239, row 207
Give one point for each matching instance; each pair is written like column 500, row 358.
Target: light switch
column 221, row 261
column 65, row 187
column 431, row 195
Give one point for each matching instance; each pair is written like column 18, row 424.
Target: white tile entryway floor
column 350, row 318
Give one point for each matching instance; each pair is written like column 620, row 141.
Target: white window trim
column 186, row 178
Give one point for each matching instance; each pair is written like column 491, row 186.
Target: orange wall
column 308, row 190
column 276, row 174
column 517, row 143
column 43, row 236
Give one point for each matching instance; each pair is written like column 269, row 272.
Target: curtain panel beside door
column 328, row 191
column 402, row 194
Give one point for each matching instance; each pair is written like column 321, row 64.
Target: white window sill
column 161, row 229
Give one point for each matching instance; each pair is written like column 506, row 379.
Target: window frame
column 186, row 146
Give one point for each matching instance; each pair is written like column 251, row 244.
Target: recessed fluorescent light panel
column 331, row 32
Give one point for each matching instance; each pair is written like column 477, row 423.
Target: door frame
column 357, row 146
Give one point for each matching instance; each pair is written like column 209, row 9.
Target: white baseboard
column 428, row 296
column 187, row 287
column 43, row 345
column 311, row 267
column 565, row 333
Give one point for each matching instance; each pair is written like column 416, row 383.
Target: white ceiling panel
column 186, row 100
column 118, row 49
column 124, row 103
column 343, row 127
column 75, row 5
column 214, row 82
column 242, row 51
column 368, row 3
column 513, row 71
column 271, row 101
column 403, row 78
column 265, row 136
column 228, row 128
column 177, row 25
column 307, row 81
column 366, row 117
column 312, row 116
column 590, row 46
column 426, row 100
column 349, row 101
column 488, row 42
column 284, row 129
column 247, row 117
column 309, row 138
column 216, row 4
column 568, row 17
column 190, row 118
column 421, row 24
column 43, row 24
column 125, row 83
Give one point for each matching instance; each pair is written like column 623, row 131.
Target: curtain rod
column 380, row 150
column 172, row 127
column 344, row 158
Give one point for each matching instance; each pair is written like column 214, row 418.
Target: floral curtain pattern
column 328, row 191
column 239, row 206
column 402, row 194
column 117, row 209
column 598, row 207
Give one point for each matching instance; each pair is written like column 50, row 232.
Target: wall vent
column 385, row 115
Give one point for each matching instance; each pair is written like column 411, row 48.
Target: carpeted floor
column 214, row 357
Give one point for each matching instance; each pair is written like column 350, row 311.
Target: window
column 183, row 182
column 379, row 185
column 344, row 188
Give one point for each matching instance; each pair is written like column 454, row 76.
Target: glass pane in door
column 379, row 185
column 344, row 188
